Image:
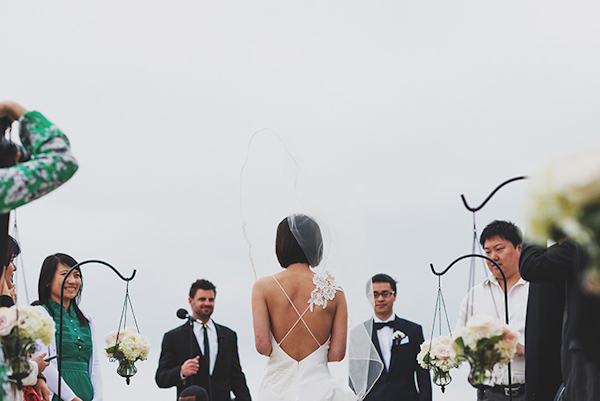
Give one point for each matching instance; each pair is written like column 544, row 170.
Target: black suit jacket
column 581, row 326
column 543, row 338
column 227, row 374
column 398, row 384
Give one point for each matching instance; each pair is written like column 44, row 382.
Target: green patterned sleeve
column 50, row 166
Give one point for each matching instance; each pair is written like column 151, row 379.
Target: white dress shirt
column 384, row 335
column 488, row 298
column 213, row 341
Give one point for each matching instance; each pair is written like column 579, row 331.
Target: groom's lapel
column 394, row 356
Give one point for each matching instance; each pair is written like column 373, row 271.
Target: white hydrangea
column 34, row 324
column 131, row 345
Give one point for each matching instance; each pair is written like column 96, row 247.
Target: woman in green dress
column 81, row 380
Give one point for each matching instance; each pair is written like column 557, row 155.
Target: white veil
column 323, row 238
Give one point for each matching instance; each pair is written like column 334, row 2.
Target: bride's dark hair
column 299, row 240
column 287, row 249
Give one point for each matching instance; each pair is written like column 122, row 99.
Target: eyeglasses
column 384, row 294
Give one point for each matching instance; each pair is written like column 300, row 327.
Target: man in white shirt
column 501, row 241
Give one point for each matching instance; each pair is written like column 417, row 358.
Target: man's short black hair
column 382, row 278
column 502, row 229
column 202, row 284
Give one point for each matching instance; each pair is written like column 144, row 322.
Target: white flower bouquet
column 564, row 201
column 440, row 355
column 127, row 347
column 484, row 342
column 20, row 328
column 128, row 344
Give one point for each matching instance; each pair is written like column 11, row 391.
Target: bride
column 300, row 320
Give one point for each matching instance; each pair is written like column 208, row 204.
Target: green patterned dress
column 76, row 352
column 50, row 166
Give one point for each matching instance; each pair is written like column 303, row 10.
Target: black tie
column 378, row 326
column 204, row 364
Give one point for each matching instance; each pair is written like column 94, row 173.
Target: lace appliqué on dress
column 324, row 291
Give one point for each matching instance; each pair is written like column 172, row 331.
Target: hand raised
column 190, row 367
column 40, row 362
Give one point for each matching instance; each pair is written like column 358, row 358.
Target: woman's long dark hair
column 47, row 275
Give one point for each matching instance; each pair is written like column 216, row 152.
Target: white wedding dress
column 286, row 379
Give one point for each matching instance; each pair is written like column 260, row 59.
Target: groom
column 398, row 342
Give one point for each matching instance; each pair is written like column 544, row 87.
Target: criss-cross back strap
column 300, row 317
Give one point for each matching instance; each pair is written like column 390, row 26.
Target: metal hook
column 475, row 209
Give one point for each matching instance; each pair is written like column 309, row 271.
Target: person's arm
column 423, row 376
column 540, row 265
column 339, row 330
column 94, row 364
column 31, row 379
column 51, row 374
column 168, row 373
column 51, row 162
column 261, row 319
column 236, row 376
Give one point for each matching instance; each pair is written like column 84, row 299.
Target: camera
column 9, row 149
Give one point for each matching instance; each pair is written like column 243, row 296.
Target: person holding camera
column 43, row 163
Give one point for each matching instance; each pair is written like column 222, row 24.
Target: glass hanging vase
column 126, row 369
column 481, row 375
column 441, row 378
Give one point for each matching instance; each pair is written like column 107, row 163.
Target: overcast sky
column 372, row 116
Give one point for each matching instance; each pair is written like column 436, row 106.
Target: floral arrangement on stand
column 484, row 342
column 20, row 328
column 564, row 201
column 440, row 355
column 127, row 347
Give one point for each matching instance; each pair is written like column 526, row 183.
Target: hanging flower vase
column 441, row 378
column 126, row 369
column 481, row 375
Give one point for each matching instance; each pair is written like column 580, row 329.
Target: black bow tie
column 378, row 326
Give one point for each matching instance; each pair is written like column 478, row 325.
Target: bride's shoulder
column 262, row 283
column 325, row 289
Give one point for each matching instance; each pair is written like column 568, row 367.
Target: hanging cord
column 123, row 319
column 21, row 268
column 440, row 305
column 471, row 282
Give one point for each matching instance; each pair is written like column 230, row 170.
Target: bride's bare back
column 274, row 313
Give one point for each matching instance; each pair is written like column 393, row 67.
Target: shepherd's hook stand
column 62, row 291
column 475, row 255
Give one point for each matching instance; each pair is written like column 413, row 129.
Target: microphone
column 183, row 314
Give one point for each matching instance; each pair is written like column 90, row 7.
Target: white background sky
column 391, row 110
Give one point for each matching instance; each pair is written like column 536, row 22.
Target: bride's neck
column 297, row 267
